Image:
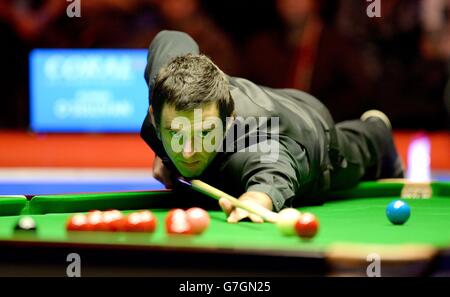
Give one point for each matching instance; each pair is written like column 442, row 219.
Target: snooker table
column 353, row 227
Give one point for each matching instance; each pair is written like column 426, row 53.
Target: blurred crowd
column 399, row 62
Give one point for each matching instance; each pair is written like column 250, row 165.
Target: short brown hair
column 191, row 81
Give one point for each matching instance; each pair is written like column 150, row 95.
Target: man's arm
column 272, row 185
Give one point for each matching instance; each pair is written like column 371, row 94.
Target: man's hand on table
column 237, row 214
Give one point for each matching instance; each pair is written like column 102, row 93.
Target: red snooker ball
column 141, row 221
column 96, row 221
column 115, row 220
column 77, row 222
column 307, row 226
column 148, row 221
column 177, row 222
column 198, row 218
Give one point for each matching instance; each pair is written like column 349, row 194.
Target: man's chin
column 190, row 174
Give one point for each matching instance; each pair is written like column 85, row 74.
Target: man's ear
column 152, row 120
column 152, row 117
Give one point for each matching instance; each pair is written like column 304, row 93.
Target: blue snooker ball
column 398, row 212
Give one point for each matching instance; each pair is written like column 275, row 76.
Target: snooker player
column 272, row 147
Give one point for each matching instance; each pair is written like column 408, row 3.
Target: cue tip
column 184, row 182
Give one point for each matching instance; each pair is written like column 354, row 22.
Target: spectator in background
column 307, row 53
column 406, row 85
column 31, row 19
column 435, row 16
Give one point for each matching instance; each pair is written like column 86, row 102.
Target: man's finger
column 161, row 179
column 157, row 176
column 226, row 206
column 255, row 218
column 237, row 214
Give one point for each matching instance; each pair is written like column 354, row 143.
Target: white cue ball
column 286, row 221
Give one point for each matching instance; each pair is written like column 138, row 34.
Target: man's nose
column 188, row 149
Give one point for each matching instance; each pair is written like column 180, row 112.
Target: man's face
column 190, row 137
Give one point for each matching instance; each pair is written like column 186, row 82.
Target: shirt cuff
column 274, row 194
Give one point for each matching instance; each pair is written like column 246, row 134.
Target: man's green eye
column 174, row 134
column 205, row 133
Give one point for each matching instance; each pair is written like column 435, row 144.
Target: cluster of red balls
column 113, row 220
column 192, row 221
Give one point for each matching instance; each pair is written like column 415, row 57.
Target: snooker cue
column 215, row 193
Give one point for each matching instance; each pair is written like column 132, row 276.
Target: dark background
column 398, row 63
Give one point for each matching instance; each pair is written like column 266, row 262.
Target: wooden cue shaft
column 215, row 193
